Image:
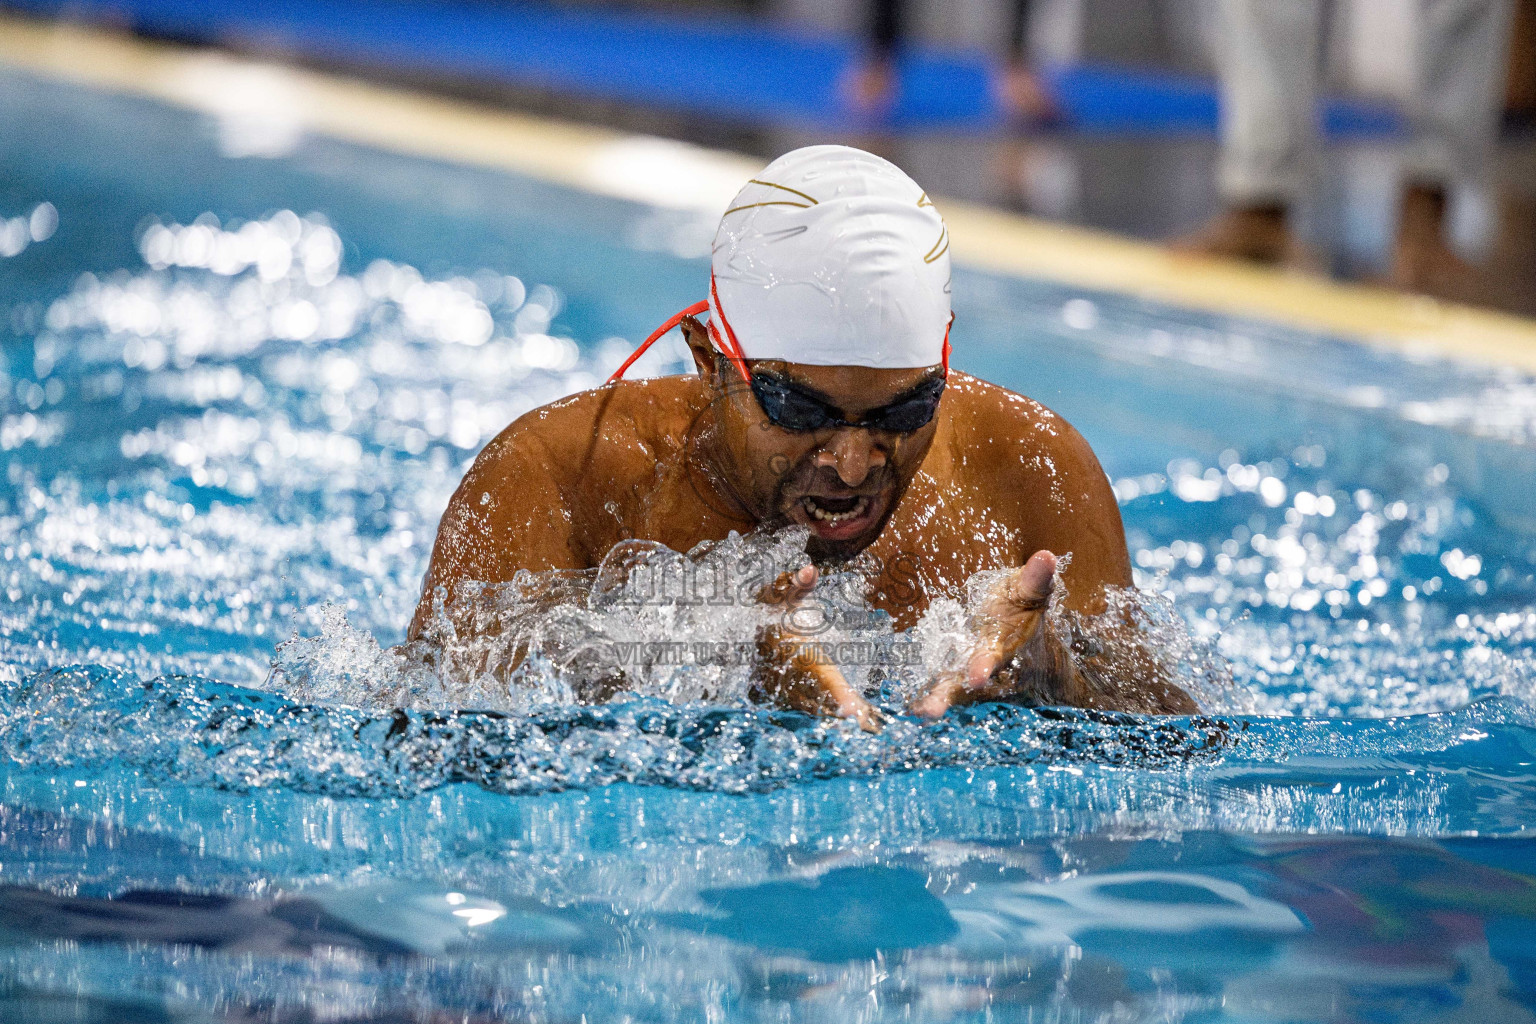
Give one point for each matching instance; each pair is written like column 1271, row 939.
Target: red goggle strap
column 693, row 310
column 726, row 343
column 946, row 343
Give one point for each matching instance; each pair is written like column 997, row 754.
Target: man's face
column 841, row 482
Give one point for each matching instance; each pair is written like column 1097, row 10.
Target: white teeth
column 822, row 514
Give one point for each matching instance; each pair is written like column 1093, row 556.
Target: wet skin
column 994, row 481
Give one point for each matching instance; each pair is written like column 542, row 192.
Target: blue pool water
column 237, row 393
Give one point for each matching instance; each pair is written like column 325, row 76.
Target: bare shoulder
column 536, row 493
column 1039, row 477
column 605, row 430
column 528, row 500
column 998, row 429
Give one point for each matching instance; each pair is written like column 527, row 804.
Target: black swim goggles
column 793, row 407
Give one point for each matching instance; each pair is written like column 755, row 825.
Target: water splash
column 199, row 732
column 652, row 622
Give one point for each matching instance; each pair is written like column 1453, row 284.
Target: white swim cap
column 834, row 257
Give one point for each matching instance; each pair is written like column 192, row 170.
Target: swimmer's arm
column 793, row 673
column 1106, row 661
column 1026, row 654
column 509, row 513
column 1064, row 505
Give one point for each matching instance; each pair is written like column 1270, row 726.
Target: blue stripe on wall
column 730, row 68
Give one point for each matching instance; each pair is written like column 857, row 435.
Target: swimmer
column 824, row 399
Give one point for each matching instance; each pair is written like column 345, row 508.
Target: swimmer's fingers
column 799, row 676
column 836, row 695
column 1005, row 663
column 803, row 681
column 791, row 587
column 1016, row 622
column 1027, row 673
column 984, row 678
column 946, row 692
column 1026, row 591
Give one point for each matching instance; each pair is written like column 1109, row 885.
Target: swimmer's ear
column 704, row 354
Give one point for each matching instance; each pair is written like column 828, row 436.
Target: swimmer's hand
column 793, row 673
column 1015, row 657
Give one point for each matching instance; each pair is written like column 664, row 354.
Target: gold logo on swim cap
column 810, row 201
column 941, row 246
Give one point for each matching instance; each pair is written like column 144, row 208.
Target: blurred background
column 1391, row 142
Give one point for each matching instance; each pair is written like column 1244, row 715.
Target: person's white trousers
column 1269, row 111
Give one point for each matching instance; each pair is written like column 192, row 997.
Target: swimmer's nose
column 853, row 453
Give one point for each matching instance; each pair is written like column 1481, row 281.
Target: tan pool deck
column 683, row 176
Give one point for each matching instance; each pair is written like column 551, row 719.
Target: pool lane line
column 686, row 177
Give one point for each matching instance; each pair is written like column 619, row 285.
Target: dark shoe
column 1255, row 234
column 1421, row 261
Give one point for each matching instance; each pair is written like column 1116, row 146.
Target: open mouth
column 835, row 510
column 837, row 518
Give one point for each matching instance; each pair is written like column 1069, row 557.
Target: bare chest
column 939, row 537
